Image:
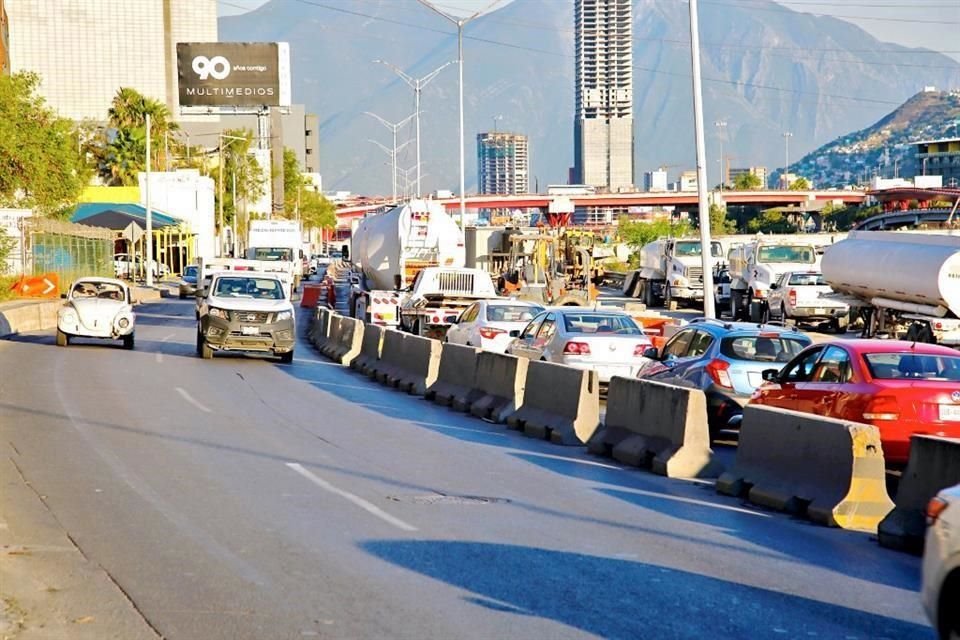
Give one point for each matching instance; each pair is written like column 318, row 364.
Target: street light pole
column 417, row 84
column 703, row 203
column 460, row 24
column 149, row 235
column 786, row 159
column 393, row 127
column 721, row 125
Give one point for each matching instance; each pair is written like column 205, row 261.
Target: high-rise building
column 86, row 50
column 503, row 163
column 603, row 122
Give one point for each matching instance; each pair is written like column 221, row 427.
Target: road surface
column 240, row 498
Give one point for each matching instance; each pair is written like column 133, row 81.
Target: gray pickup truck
column 245, row 311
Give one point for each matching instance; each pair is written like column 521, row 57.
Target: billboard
column 233, row 74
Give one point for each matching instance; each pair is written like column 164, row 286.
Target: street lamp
column 394, row 127
column 786, row 159
column 460, row 24
column 721, row 125
column 417, row 84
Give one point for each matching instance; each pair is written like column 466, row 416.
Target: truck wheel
column 756, row 311
column 62, row 339
column 667, row 298
column 647, row 293
column 764, row 313
column 204, row 350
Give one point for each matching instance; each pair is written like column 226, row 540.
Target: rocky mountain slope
column 766, row 70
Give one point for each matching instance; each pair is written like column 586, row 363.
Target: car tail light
column 436, row 319
column 792, row 297
column 759, row 294
column 640, row 348
column 935, row 507
column 490, row 333
column 576, row 349
column 718, row 371
column 882, row 408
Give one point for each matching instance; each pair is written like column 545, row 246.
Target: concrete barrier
column 831, row 471
column 334, row 334
column 656, row 425
column 388, row 368
column 28, row 315
column 934, row 464
column 560, row 404
column 346, row 338
column 500, row 380
column 456, row 383
column 421, row 360
column 319, row 331
column 366, row 360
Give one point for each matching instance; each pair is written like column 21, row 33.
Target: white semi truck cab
column 754, row 266
column 670, row 269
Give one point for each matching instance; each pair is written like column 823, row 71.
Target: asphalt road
column 240, row 498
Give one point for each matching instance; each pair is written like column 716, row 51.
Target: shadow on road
column 639, row 600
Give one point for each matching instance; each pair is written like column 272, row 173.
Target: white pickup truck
column 801, row 296
column 439, row 295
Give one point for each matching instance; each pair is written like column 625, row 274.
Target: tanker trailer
column 391, row 248
column 905, row 285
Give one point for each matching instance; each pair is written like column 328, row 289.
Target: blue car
column 724, row 359
column 188, row 283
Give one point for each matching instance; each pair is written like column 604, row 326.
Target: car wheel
column 205, row 351
column 62, row 339
column 784, row 317
column 948, row 617
column 128, row 342
column 286, row 358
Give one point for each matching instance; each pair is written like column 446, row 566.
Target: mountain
column 885, row 147
column 766, row 68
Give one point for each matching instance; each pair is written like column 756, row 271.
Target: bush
column 6, row 283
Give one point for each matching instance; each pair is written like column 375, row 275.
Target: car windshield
column 600, row 323
column 273, row 253
column 190, row 272
column 511, row 313
column 240, row 287
column 761, row 348
column 807, row 279
column 894, row 366
column 786, row 253
column 102, row 290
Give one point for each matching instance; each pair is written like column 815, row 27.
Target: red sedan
column 902, row 388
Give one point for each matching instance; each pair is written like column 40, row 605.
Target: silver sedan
column 607, row 341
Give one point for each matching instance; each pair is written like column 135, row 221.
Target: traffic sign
column 45, row 286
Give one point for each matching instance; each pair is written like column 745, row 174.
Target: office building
column 655, row 180
column 734, row 173
column 940, row 158
column 603, row 122
column 503, row 163
column 86, row 50
column 298, row 132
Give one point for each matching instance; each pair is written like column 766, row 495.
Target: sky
column 913, row 23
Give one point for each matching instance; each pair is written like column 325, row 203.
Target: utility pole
column 236, row 244
column 460, row 23
column 393, row 127
column 417, row 84
column 703, row 203
column 721, row 125
column 786, row 159
column 149, row 235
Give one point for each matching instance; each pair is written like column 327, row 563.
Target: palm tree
column 129, row 110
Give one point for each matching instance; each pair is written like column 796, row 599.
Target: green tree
column 719, row 223
column 637, row 233
column 237, row 161
column 771, row 221
column 747, row 182
column 800, row 184
column 41, row 166
column 301, row 198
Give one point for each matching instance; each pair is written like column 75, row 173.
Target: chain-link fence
column 67, row 249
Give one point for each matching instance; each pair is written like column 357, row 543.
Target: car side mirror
column 774, row 286
column 515, row 333
column 770, row 375
column 651, row 352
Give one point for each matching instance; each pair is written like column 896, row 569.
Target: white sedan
column 941, row 563
column 487, row 323
column 97, row 308
column 607, row 341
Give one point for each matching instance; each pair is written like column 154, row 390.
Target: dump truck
column 903, row 285
column 670, row 269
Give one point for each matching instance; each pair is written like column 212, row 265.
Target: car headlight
column 219, row 313
column 283, row 315
column 123, row 323
column 69, row 315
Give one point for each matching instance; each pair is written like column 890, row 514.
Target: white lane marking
column 186, row 396
column 323, row 362
column 357, row 500
column 322, row 383
column 590, row 463
column 159, row 355
column 700, row 503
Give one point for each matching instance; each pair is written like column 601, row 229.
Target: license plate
column 949, row 413
column 819, row 311
column 250, row 331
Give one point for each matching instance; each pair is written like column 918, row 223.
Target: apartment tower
column 603, row 124
column 503, row 163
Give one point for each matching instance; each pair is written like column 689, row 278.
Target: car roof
column 722, row 328
column 892, row 346
column 99, row 280
column 590, row 310
column 246, row 274
column 511, row 302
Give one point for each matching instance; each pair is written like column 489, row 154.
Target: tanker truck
column 904, row 285
column 391, row 248
column 670, row 269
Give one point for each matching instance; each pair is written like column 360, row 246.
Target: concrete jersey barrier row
column 390, row 365
column 560, row 404
column 934, row 464
column 830, row 470
column 456, row 383
column 26, row 316
column 499, row 386
column 369, row 356
column 656, row 425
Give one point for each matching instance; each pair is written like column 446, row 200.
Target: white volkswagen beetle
column 97, row 308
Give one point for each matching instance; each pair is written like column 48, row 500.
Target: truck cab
column 754, row 266
column 439, row 295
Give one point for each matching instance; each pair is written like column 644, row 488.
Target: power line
column 785, row 9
